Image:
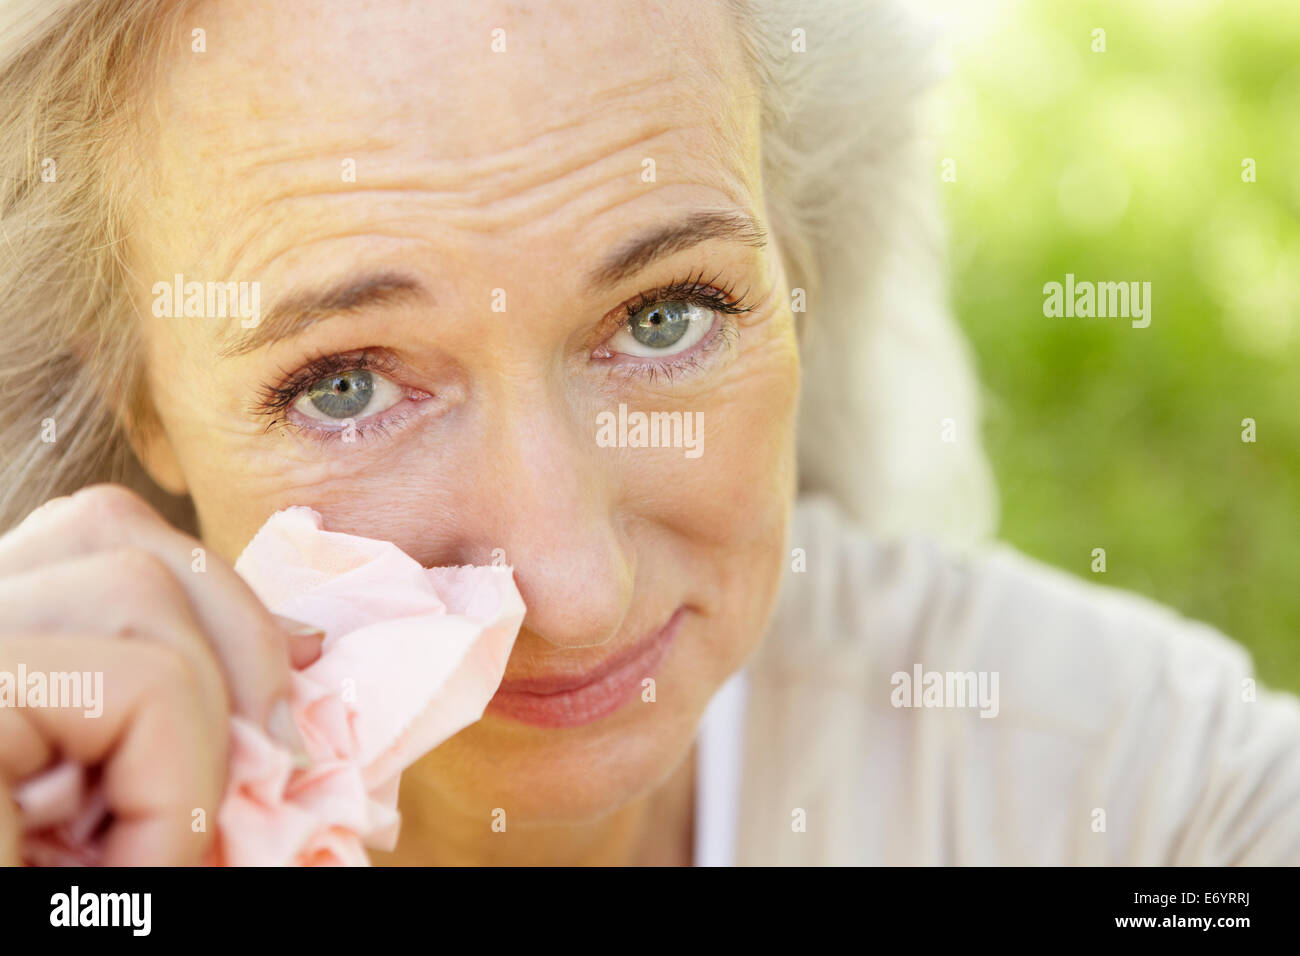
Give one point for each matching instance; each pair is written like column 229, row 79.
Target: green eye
column 345, row 395
column 663, row 328
column 660, row 325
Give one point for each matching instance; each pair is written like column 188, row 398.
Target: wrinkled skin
column 476, row 171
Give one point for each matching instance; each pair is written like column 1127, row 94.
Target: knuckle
column 174, row 674
column 184, row 684
column 143, row 576
column 105, row 506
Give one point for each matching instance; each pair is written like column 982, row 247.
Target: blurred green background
column 1127, row 165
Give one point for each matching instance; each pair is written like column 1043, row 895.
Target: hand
column 98, row 582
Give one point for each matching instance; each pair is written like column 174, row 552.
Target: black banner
column 370, row 906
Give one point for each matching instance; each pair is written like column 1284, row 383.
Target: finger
column 253, row 652
column 119, row 593
column 161, row 758
column 24, row 751
column 304, row 640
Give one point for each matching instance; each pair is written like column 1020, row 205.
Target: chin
column 565, row 776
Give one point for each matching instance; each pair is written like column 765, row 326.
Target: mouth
column 575, row 699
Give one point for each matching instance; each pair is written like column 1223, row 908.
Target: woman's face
column 450, row 229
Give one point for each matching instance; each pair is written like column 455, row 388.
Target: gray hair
column 850, row 191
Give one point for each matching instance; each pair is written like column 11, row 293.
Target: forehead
column 477, row 118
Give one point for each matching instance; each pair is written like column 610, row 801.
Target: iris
column 662, row 324
column 344, row 395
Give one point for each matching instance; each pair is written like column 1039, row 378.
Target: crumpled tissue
column 411, row 655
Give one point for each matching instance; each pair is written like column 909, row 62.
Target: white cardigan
column 1124, row 733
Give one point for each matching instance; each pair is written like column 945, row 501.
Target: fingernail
column 296, row 628
column 281, row 726
column 51, row 797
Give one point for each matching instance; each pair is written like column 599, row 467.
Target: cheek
column 737, row 493
column 375, row 497
column 728, row 509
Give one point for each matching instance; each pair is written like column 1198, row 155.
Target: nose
column 551, row 503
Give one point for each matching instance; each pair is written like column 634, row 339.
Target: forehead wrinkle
column 311, row 155
column 485, row 213
column 502, row 175
column 523, row 154
column 481, row 218
column 373, row 140
column 298, row 246
column 478, row 219
column 492, row 185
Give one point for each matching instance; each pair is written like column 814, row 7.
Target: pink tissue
column 411, row 655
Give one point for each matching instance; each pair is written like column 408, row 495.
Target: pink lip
column 572, row 700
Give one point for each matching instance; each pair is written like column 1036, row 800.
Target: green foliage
column 1120, row 166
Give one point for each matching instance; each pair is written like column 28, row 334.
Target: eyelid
column 694, row 289
column 278, row 398
column 720, row 338
column 383, row 389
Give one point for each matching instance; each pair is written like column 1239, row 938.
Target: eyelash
column 696, row 291
column 275, row 400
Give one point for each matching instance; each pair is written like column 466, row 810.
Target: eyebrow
column 302, row 309
column 699, row 227
column 299, row 310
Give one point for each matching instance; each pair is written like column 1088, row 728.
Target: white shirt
column 719, row 758
column 1122, row 732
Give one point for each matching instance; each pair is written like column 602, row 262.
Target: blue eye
column 663, row 328
column 348, row 394
column 343, row 396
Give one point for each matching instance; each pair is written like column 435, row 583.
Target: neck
column 654, row 830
